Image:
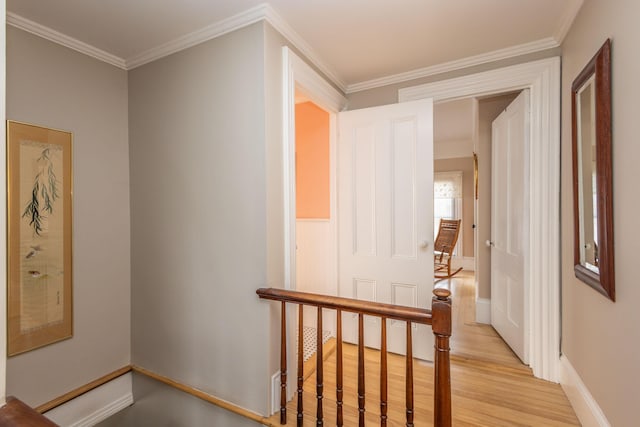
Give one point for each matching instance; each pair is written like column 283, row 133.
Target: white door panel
column 385, row 212
column 509, row 223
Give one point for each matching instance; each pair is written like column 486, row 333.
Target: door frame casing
column 542, row 78
column 298, row 74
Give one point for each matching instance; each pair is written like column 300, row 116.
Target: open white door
column 510, row 224
column 385, row 216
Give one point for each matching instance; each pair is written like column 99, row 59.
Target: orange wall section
column 312, row 162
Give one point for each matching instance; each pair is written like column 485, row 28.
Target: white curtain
column 447, row 185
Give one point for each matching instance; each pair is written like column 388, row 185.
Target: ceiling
column 357, row 43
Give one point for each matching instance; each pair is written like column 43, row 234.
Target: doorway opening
column 541, row 266
column 315, row 222
column 300, row 78
column 542, row 79
column 463, row 190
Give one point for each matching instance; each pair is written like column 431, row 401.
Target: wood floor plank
column 490, row 386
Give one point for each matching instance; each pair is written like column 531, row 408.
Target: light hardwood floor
column 490, row 386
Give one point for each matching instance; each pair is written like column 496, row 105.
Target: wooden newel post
column 441, row 325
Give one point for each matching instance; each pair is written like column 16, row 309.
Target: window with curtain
column 447, row 202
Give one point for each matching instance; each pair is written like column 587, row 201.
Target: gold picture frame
column 475, row 174
column 39, row 244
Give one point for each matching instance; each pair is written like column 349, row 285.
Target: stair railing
column 439, row 317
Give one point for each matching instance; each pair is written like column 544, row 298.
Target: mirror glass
column 592, row 174
column 587, row 182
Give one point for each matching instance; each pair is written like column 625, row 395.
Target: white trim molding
column 583, row 403
column 275, row 393
column 542, row 78
column 315, row 87
column 496, row 55
column 273, row 18
column 96, row 405
column 266, row 12
column 483, row 310
column 62, row 39
column 217, row 29
column 297, row 73
column 261, row 12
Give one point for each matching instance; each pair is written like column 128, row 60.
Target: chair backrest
column 447, row 235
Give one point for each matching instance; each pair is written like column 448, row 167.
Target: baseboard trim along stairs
column 95, row 405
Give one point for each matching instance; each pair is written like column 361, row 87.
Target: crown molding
column 261, row 12
column 567, row 20
column 265, row 12
column 63, row 39
column 250, row 16
column 496, row 55
column 217, row 29
column 277, row 22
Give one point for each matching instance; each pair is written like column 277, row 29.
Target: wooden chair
column 443, row 248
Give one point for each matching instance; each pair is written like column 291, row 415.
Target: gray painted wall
column 601, row 338
column 273, row 42
column 53, row 86
column 199, row 217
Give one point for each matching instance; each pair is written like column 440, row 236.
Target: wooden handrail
column 16, row 413
column 439, row 317
column 390, row 311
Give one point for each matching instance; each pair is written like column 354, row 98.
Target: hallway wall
column 601, row 338
column 198, row 213
column 57, row 87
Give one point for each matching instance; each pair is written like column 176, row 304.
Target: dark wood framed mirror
column 592, row 174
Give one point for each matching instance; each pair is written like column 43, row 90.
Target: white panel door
column 510, row 224
column 385, row 216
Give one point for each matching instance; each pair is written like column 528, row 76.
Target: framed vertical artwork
column 39, row 217
column 475, row 175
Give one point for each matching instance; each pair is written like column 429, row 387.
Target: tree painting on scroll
column 41, row 231
column 39, row 248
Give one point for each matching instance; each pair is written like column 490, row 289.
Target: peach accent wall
column 312, row 161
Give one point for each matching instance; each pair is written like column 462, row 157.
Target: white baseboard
column 483, row 310
column 467, row 263
column 585, row 406
column 275, row 393
column 96, row 405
